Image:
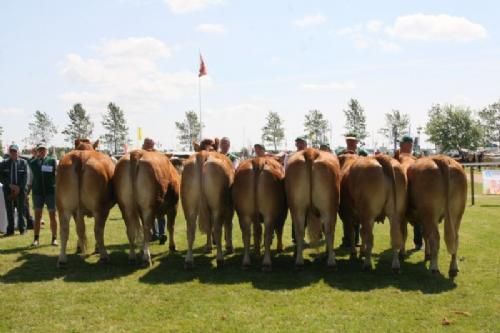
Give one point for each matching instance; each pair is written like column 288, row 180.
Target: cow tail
column 135, row 156
column 388, row 169
column 257, row 165
column 449, row 226
column 78, row 167
column 312, row 221
column 203, row 218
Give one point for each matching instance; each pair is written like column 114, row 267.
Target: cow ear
column 77, row 143
column 96, row 144
column 216, row 144
column 196, row 146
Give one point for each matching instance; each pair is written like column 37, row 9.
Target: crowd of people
column 19, row 177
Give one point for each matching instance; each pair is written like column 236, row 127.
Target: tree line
column 448, row 127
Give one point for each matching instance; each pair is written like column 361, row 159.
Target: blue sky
column 285, row 56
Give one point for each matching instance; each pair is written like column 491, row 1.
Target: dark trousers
column 27, row 213
column 159, row 227
column 417, row 235
column 10, row 205
column 346, row 240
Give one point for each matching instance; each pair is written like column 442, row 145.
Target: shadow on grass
column 37, row 267
column 489, row 206
column 349, row 276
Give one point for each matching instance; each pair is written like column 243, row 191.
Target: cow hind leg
column 100, row 223
column 367, row 235
column 64, row 219
column 82, row 244
column 171, row 215
column 431, row 232
column 245, row 225
column 147, row 223
column 217, row 227
column 132, row 224
column 191, row 232
column 298, row 220
column 228, row 232
column 268, row 239
column 396, row 242
column 404, row 235
column 279, row 238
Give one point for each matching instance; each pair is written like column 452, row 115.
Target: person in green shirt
column 225, row 144
column 43, row 191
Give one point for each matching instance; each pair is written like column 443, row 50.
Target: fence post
column 472, row 185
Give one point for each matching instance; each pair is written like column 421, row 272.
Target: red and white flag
column 203, row 68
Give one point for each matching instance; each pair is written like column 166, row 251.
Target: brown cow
column 312, row 185
column 372, row 188
column 206, row 196
column 437, row 188
column 146, row 187
column 84, row 188
column 259, row 197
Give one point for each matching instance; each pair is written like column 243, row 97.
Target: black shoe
column 29, row 226
column 22, row 232
column 153, row 238
column 162, row 239
column 418, row 247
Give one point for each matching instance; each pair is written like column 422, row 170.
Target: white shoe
column 35, row 243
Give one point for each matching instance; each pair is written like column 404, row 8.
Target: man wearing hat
column 13, row 176
column 325, row 147
column 43, row 191
column 351, row 141
column 260, row 150
column 406, row 147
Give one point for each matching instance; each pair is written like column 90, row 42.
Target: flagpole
column 199, row 97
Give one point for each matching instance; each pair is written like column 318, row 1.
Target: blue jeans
column 159, row 227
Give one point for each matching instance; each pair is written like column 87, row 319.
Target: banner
column 139, row 133
column 491, row 181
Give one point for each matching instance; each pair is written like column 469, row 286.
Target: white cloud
column 210, row 28
column 331, row 86
column 128, row 72
column 373, row 26
column 436, row 28
column 310, row 20
column 388, row 46
column 185, row 6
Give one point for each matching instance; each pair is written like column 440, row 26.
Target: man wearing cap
column 260, row 150
column 325, row 147
column 406, row 147
column 43, row 191
column 14, row 176
column 225, row 144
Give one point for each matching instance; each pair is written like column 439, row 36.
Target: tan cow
column 84, row 188
column 146, row 186
column 371, row 189
column 259, row 197
column 437, row 188
column 312, row 185
column 207, row 178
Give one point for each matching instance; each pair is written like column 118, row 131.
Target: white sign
column 491, row 181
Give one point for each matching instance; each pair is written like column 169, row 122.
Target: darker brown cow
column 259, row 197
column 146, row 186
column 372, row 188
column 84, row 188
column 207, row 178
column 437, row 189
column 312, row 185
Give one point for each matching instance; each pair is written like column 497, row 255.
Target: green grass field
column 35, row 296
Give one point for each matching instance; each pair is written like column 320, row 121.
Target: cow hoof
column 453, row 273
column 299, row 267
column 396, row 271
column 427, row 257
column 367, row 268
column 267, row 268
column 353, row 257
column 402, row 256
column 229, row 250
column 146, row 264
column 62, row 264
column 434, row 271
column 245, row 267
column 220, row 264
column 279, row 250
column 132, row 261
column 188, row 265
column 332, row 268
column 172, row 248
column 207, row 250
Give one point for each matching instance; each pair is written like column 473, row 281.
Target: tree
column 452, row 127
column 316, row 128
column 490, row 122
column 80, row 126
column 396, row 124
column 355, row 121
column 42, row 129
column 116, row 128
column 273, row 132
column 189, row 130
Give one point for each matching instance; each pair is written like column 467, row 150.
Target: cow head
column 85, row 144
column 207, row 144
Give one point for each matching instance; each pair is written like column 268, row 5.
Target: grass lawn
column 35, row 296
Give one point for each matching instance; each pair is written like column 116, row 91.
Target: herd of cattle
column 315, row 187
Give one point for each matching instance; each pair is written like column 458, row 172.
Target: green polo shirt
column 44, row 175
